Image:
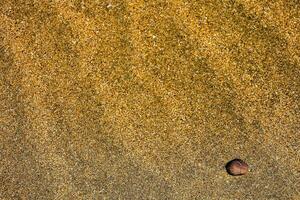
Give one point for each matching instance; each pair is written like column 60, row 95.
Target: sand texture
column 133, row 99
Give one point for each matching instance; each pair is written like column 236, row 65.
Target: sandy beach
column 127, row 99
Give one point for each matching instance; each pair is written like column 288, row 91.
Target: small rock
column 237, row 167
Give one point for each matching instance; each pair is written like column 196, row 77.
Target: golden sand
column 149, row 99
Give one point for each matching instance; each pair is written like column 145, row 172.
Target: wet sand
column 149, row 100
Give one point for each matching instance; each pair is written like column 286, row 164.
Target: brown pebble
column 237, row 167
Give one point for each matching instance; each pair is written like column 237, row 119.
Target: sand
column 149, row 99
